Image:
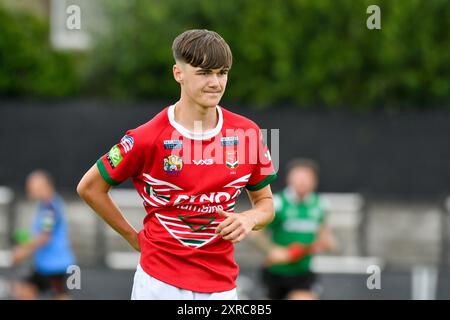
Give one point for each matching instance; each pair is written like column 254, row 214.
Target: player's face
column 37, row 187
column 204, row 87
column 302, row 180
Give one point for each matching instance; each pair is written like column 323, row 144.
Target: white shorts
column 145, row 287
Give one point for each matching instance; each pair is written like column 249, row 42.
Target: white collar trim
column 195, row 135
column 293, row 197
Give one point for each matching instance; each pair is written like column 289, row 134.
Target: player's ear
column 178, row 73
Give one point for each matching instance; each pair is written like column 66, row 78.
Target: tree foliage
column 302, row 52
column 29, row 67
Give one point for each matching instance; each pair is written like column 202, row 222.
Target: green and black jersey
column 295, row 221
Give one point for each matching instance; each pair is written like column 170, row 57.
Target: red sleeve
column 264, row 172
column 122, row 161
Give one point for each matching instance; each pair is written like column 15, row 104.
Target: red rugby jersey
column 183, row 178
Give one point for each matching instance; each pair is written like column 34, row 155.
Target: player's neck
column 297, row 196
column 48, row 197
column 194, row 117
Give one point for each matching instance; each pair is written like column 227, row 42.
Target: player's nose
column 214, row 81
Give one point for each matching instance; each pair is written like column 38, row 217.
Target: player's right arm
column 46, row 221
column 93, row 189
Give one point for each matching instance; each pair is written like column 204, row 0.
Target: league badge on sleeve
column 127, row 143
column 114, row 156
column 173, row 165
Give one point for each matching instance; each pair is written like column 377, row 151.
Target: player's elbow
column 91, row 186
column 272, row 216
column 271, row 212
column 83, row 189
column 43, row 239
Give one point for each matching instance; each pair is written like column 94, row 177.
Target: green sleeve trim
column 105, row 174
column 262, row 183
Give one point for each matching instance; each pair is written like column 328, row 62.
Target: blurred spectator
column 296, row 234
column 49, row 244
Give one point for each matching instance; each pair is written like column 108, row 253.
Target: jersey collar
column 195, row 135
column 293, row 197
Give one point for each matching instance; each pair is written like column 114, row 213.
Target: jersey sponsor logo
column 212, row 197
column 127, row 143
column 206, row 208
column 220, row 197
column 206, row 162
column 157, row 193
column 232, row 159
column 173, row 144
column 173, row 165
column 114, row 156
column 197, row 227
column 229, row 141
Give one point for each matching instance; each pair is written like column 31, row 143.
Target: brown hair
column 202, row 48
column 303, row 163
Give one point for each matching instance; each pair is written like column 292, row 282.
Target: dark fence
column 404, row 154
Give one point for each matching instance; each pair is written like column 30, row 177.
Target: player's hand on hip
column 235, row 227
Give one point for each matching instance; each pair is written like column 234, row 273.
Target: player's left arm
column 325, row 241
column 237, row 226
column 24, row 251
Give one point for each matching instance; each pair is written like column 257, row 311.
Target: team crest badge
column 173, row 165
column 232, row 159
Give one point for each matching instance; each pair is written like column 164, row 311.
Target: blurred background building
column 370, row 106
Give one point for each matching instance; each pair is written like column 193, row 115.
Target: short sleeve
column 277, row 202
column 122, row 161
column 323, row 207
column 278, row 206
column 263, row 173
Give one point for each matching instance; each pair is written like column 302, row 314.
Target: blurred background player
column 296, row 234
column 49, row 244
